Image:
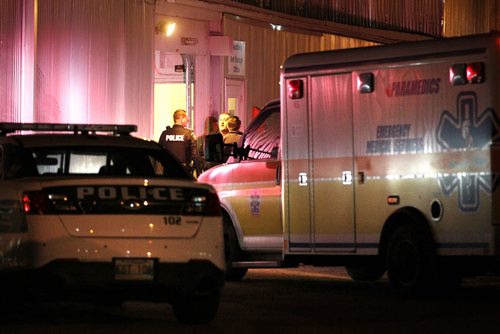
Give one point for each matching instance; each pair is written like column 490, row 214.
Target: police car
column 88, row 211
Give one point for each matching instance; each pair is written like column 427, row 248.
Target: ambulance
column 381, row 159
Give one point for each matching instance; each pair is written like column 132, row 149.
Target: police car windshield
column 109, row 161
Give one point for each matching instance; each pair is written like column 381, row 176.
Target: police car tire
column 235, row 274
column 12, row 300
column 409, row 260
column 232, row 251
column 197, row 309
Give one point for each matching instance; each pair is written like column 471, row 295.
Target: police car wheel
column 232, row 252
column 197, row 309
column 12, row 300
column 409, row 260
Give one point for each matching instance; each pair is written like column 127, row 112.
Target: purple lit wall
column 92, row 61
column 10, row 60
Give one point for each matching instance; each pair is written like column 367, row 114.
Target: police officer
column 179, row 140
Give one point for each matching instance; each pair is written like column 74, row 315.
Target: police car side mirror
column 214, row 148
column 274, row 152
column 240, row 152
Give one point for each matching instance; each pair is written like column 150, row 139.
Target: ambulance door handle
column 361, row 177
column 278, row 175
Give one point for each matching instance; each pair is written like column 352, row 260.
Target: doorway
column 172, row 70
column 168, row 97
column 235, row 100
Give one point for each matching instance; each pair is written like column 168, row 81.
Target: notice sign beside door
column 236, row 62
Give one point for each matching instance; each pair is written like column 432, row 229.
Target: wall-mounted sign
column 236, row 62
column 189, row 40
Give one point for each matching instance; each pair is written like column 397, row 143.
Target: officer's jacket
column 179, row 141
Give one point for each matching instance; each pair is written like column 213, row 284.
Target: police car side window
column 86, row 162
column 107, row 161
column 66, row 161
column 264, row 138
column 17, row 163
column 48, row 163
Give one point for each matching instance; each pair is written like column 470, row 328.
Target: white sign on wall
column 236, row 62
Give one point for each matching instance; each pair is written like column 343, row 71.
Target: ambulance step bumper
column 256, row 264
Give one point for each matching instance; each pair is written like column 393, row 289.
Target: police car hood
column 127, row 207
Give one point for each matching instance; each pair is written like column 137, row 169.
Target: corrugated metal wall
column 10, row 60
column 267, row 49
column 419, row 16
column 468, row 17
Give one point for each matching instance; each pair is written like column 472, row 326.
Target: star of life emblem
column 468, row 129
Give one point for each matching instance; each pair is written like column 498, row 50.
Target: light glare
column 170, row 29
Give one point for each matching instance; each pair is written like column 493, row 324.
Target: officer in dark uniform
column 179, row 140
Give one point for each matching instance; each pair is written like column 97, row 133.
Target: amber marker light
column 393, row 200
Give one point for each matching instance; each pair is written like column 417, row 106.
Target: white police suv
column 90, row 212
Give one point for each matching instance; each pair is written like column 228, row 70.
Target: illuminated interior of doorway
column 168, row 98
column 231, row 105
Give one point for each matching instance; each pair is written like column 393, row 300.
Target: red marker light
column 295, row 89
column 36, row 203
column 26, row 203
column 475, row 73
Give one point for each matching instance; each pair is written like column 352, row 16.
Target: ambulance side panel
column 424, row 141
column 414, row 140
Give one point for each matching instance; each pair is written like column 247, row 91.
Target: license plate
column 135, row 269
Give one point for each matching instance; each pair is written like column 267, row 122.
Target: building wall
column 267, row 49
column 94, row 58
column 93, row 62
column 417, row 16
column 11, row 55
column 468, row 17
column 87, row 61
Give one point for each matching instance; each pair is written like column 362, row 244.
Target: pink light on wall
column 10, row 60
column 77, row 61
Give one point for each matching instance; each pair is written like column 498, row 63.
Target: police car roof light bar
column 125, row 129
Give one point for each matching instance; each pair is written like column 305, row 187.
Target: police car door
column 256, row 184
column 319, row 157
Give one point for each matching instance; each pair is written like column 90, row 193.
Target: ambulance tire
column 232, row 252
column 366, row 272
column 410, row 258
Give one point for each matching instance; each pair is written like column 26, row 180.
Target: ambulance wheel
column 409, row 260
column 232, row 252
column 366, row 272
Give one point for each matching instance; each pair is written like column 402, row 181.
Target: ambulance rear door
column 318, row 163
